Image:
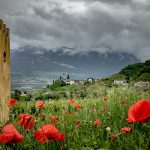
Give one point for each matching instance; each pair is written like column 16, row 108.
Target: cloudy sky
column 84, row 25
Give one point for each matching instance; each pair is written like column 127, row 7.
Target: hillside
column 134, row 72
column 56, row 91
column 138, row 71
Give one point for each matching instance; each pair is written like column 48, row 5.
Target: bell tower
column 4, row 72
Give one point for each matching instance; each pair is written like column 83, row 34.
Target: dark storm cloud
column 83, row 25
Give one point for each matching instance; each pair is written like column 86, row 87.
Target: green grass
column 111, row 113
column 144, row 77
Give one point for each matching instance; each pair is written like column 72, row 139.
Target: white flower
column 108, row 129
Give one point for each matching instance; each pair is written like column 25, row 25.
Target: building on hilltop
column 141, row 85
column 90, row 80
column 120, row 81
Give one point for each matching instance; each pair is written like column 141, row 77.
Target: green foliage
column 16, row 94
column 109, row 80
column 54, row 95
column 83, row 95
column 16, row 110
column 87, row 83
column 57, row 85
column 135, row 71
column 39, row 97
column 33, row 109
column 144, row 77
column 95, row 95
column 25, row 98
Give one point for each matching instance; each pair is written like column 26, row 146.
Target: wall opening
column 4, row 56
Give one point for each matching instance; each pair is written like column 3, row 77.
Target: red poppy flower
column 40, row 104
column 104, row 98
column 97, row 122
column 10, row 135
column 54, row 119
column 27, row 121
column 43, row 116
column 12, row 102
column 77, row 122
column 71, row 101
column 78, row 106
column 126, row 130
column 139, row 111
column 48, row 133
column 113, row 137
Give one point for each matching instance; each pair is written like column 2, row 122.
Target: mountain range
column 33, row 68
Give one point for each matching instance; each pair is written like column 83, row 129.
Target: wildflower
column 54, row 119
column 71, row 101
column 78, row 106
column 77, row 122
column 27, row 121
column 12, row 102
column 48, row 133
column 139, row 111
column 126, row 130
column 40, row 104
column 108, row 129
column 97, row 122
column 10, row 135
column 104, row 98
column 113, row 137
column 43, row 116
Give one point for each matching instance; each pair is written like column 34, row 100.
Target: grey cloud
column 102, row 26
column 68, row 66
column 106, row 1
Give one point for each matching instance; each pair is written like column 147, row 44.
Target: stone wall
column 4, row 72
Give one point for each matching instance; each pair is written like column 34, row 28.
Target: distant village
column 66, row 79
column 141, row 85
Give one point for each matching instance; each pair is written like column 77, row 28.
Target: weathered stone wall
column 4, row 72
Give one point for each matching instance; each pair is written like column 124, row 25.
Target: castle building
column 4, row 72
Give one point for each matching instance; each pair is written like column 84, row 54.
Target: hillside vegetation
column 132, row 73
column 138, row 71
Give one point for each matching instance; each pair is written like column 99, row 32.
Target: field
column 87, row 124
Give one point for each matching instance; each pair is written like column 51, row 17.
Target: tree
column 68, row 77
column 16, row 94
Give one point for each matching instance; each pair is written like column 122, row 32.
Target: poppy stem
column 55, row 142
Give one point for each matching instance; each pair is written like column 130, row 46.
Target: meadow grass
column 112, row 113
